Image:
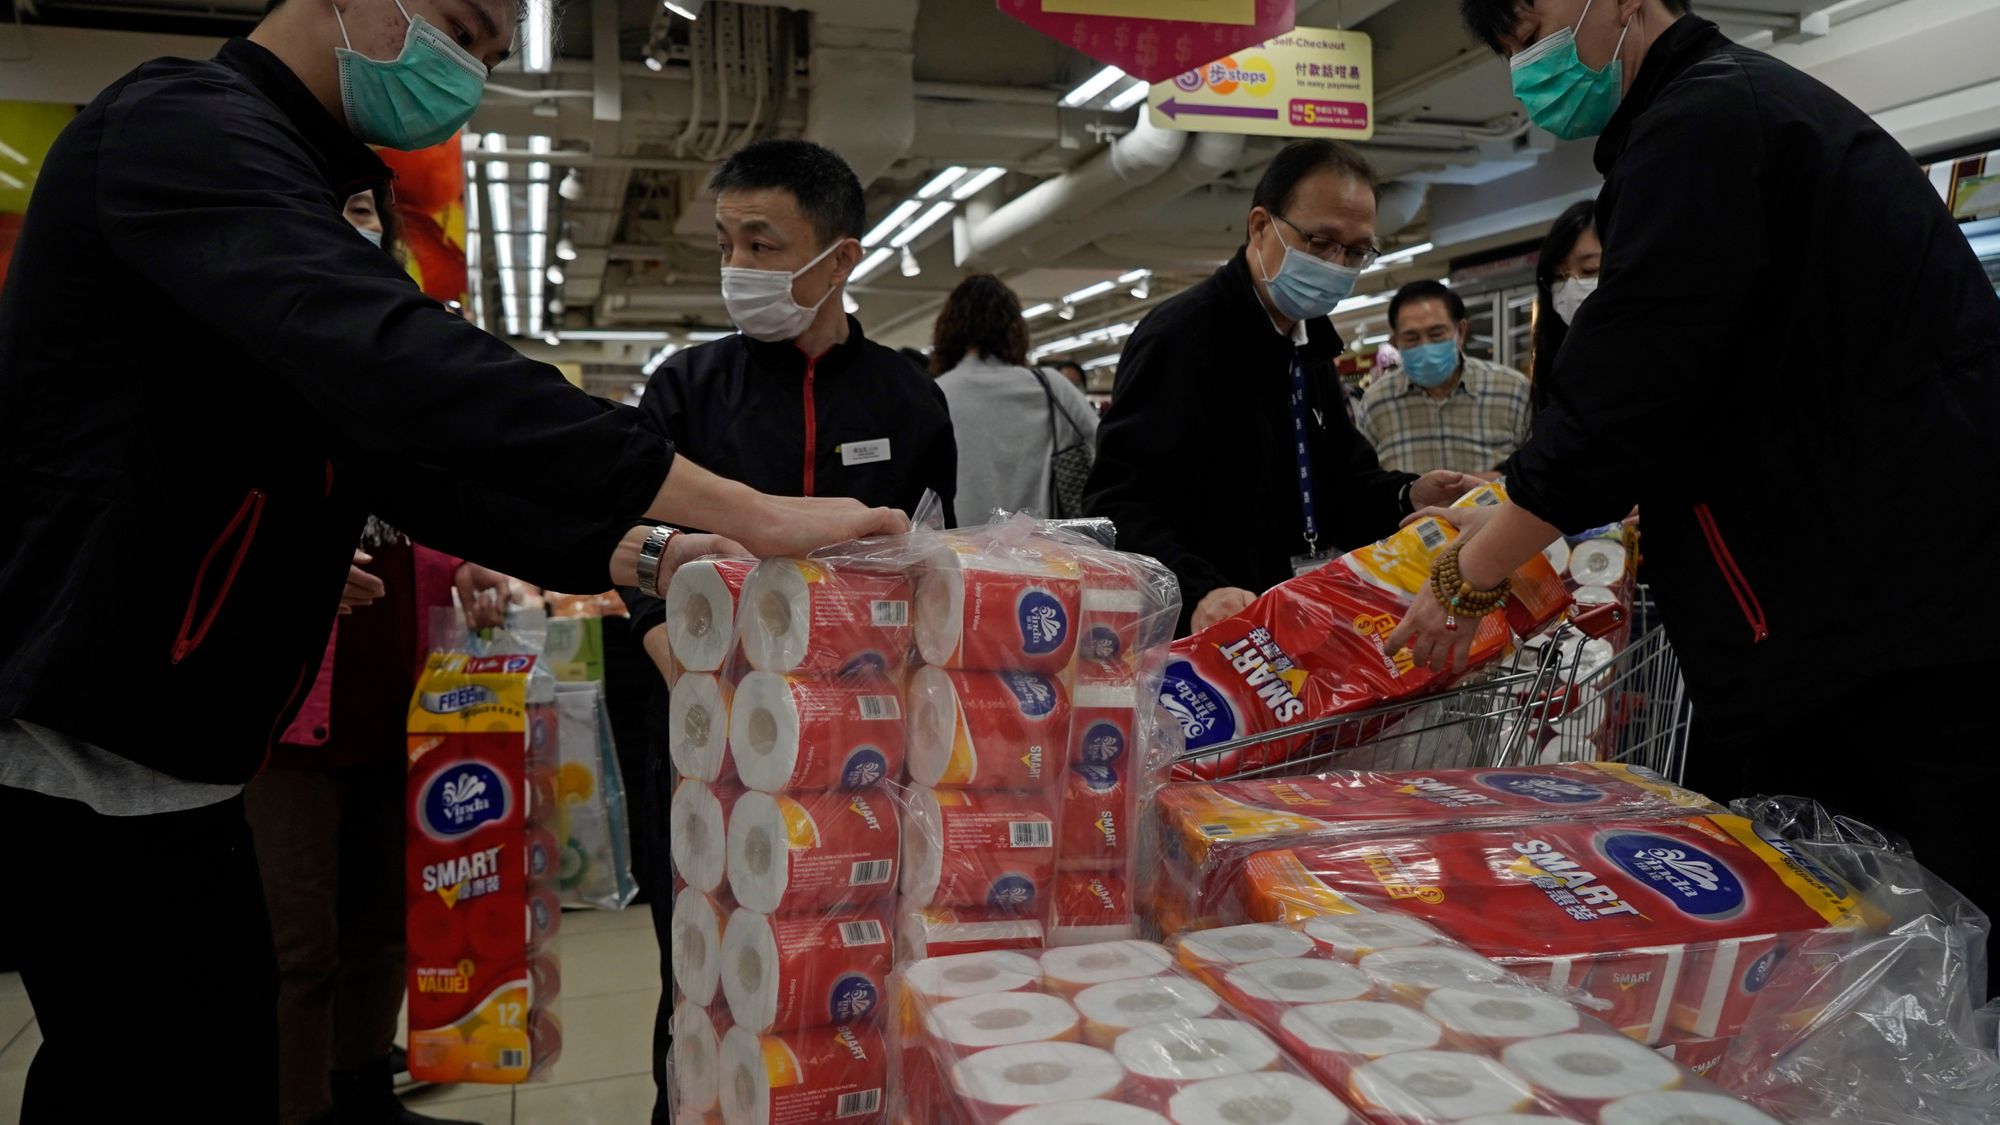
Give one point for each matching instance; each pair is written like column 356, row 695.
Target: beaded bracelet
column 1457, row 595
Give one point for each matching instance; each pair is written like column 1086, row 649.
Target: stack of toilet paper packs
column 888, row 751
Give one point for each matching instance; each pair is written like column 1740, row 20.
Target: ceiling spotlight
column 686, row 9
column 910, row 266
column 555, row 275
column 550, row 338
column 848, row 302
column 571, row 187
column 565, row 249
column 655, row 61
column 1143, row 289
column 1067, row 312
column 556, row 306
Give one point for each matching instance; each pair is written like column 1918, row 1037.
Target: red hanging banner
column 1153, row 49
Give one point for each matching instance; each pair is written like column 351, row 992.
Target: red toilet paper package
column 1672, row 927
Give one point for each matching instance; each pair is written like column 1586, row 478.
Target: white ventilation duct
column 1006, row 236
column 1206, row 158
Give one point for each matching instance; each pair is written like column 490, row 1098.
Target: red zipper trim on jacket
column 192, row 633
column 278, row 724
column 1739, row 585
column 812, row 425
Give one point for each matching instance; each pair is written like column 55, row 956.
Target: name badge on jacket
column 864, row 452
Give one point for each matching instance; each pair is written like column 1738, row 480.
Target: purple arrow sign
column 1174, row 109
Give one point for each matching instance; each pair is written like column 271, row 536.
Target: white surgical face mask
column 1569, row 295
column 374, row 236
column 760, row 301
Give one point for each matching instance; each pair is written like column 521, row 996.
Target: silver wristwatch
column 650, row 553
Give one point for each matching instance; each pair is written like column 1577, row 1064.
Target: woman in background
column 1565, row 274
column 1010, row 418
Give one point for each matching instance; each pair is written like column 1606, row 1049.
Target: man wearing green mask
column 207, row 382
column 1752, row 221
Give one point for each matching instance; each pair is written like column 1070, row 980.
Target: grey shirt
column 1001, row 418
column 53, row 764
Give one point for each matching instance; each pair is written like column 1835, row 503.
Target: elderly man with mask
column 175, row 535
column 1228, row 453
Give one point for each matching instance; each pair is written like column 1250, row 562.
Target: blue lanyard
column 1304, row 446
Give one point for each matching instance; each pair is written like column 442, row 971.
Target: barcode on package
column 1214, row 830
column 1431, row 534
column 880, row 707
column 869, row 872
column 1487, row 498
column 512, row 1059
column 888, row 614
column 858, row 1103
column 1031, row 833
column 868, row 932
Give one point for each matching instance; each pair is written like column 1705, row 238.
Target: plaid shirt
column 1471, row 430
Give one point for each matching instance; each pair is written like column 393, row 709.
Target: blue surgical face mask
column 1561, row 94
column 1431, row 365
column 374, row 236
column 415, row 100
column 1305, row 287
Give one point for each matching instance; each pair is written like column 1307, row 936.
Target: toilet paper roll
column 1438, row 1086
column 978, row 848
column 1357, row 935
column 1110, row 622
column 998, row 1019
column 696, row 956
column 809, row 619
column 995, row 613
column 1557, row 553
column 812, row 852
column 1587, row 596
column 1682, row 1108
column 1349, row 1032
column 698, row 728
column 971, row 974
column 1490, row 1019
column 1090, row 1111
column 698, row 832
column 1240, row 945
column 1299, row 980
column 1587, row 1069
column 697, row 1054
column 1419, row 971
column 1163, row 1058
column 1102, row 725
column 804, row 970
column 701, row 611
column 986, row 730
column 824, row 1074
column 790, row 734
column 1091, row 907
column 941, row 931
column 1096, row 817
column 1005, row 1079
column 1597, row 562
column 1069, row 971
column 1256, row 1099
column 1114, row 1008
column 544, row 917
column 1568, row 748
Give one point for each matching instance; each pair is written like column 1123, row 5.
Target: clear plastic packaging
column 909, row 746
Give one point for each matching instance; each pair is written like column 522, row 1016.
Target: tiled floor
column 611, row 985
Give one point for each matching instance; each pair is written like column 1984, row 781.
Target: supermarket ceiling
column 956, row 117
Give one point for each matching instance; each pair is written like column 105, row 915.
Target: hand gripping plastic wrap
column 482, row 870
column 1206, row 830
column 1311, row 648
column 1409, row 1027
column 908, row 747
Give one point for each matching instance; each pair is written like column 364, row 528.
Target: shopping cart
column 1566, row 695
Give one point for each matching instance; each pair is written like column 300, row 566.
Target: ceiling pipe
column 1206, row 158
column 1005, row 237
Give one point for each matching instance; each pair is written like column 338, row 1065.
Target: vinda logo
column 1044, row 624
column 462, row 797
column 1542, row 787
column 1036, row 694
column 864, row 768
column 1011, row 892
column 1698, row 884
column 1202, row 712
column 1098, row 779
column 1102, row 644
column 1103, row 744
column 854, row 998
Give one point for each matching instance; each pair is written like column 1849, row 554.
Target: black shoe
column 366, row 1097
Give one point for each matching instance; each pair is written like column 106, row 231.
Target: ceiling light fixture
column 621, row 335
column 707, row 335
column 1130, row 96
column 556, row 306
column 977, row 183
column 941, row 181
column 1400, row 256
column 572, row 186
column 910, row 266
column 555, row 275
column 1143, row 289
column 1354, row 304
column 537, row 52
column 870, row 264
column 656, row 60
column 1067, row 312
column 565, row 249
column 848, row 302
column 890, row 222
column 1089, row 291
column 1102, row 361
column 922, row 223
column 685, row 9
column 551, row 339
column 654, row 361
column 1092, row 86
column 1034, row 311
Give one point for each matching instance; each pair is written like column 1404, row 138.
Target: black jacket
column 207, row 379
column 1792, row 364
column 1195, row 459
column 739, row 407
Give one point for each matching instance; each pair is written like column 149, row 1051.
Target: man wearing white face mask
column 174, row 542
column 1228, row 453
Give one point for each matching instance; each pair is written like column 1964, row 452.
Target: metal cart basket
column 1562, row 696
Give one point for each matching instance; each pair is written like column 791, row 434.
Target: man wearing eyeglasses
column 1228, row 452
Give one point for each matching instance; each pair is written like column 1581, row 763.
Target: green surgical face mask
column 1562, row 95
column 419, row 98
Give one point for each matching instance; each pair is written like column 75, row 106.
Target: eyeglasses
column 1353, row 257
